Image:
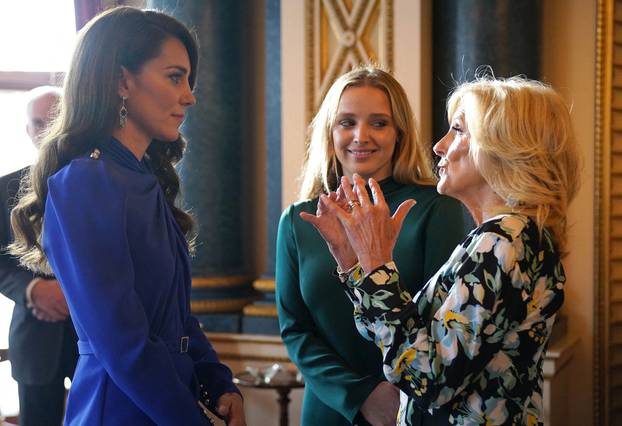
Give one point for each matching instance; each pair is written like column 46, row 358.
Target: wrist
column 371, row 263
column 30, row 302
column 346, row 259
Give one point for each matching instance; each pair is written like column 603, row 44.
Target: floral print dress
column 471, row 343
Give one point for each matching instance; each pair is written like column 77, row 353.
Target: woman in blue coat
column 99, row 210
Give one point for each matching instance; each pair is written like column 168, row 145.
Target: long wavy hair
column 412, row 162
column 120, row 37
column 523, row 145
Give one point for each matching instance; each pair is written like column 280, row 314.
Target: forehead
column 42, row 105
column 172, row 52
column 458, row 114
column 367, row 98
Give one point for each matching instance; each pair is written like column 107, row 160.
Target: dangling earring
column 122, row 112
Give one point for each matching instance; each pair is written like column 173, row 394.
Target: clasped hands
column 356, row 228
column 48, row 301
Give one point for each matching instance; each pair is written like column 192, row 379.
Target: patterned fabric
column 315, row 316
column 473, row 339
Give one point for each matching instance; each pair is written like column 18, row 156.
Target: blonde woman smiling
column 468, row 348
column 365, row 125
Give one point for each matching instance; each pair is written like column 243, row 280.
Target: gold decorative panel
column 341, row 34
column 608, row 172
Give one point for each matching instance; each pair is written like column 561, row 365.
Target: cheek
column 389, row 139
column 457, row 151
column 339, row 140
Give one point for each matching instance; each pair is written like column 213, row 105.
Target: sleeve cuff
column 379, row 276
column 31, row 285
column 344, row 275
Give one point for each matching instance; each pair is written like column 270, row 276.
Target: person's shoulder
column 429, row 199
column 10, row 182
column 290, row 218
column 422, row 193
column 85, row 175
column 16, row 175
column 508, row 226
column 82, row 170
column 294, row 209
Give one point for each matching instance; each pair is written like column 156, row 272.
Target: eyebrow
column 372, row 115
column 177, row 67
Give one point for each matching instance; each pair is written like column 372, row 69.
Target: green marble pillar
column 217, row 171
column 475, row 36
column 470, row 34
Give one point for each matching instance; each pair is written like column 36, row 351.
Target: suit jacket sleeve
column 332, row 380
column 86, row 242
column 13, row 278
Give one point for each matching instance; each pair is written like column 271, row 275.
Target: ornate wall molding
column 608, row 213
column 341, row 34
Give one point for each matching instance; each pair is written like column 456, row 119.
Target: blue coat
column 123, row 262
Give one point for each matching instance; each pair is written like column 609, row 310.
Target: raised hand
column 330, row 228
column 369, row 227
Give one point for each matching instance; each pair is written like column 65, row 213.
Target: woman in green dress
column 469, row 347
column 365, row 125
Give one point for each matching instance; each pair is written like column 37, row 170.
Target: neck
column 132, row 140
column 483, row 204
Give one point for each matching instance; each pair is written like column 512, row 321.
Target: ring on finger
column 353, row 203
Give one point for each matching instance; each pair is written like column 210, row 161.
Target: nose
column 440, row 147
column 187, row 98
column 361, row 133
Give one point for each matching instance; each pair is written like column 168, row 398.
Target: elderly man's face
column 40, row 112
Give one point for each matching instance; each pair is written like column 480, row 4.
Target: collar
column 389, row 185
column 123, row 156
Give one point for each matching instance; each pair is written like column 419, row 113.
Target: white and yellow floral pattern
column 470, row 344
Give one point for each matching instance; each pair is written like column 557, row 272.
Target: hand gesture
column 330, row 228
column 369, row 227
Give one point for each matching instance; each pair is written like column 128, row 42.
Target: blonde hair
column 412, row 162
column 523, row 145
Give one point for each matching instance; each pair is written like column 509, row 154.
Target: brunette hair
column 119, row 37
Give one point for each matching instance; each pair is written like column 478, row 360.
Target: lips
column 179, row 116
column 441, row 168
column 361, row 153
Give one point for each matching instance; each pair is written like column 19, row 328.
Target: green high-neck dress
column 341, row 368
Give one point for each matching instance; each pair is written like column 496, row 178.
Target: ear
column 124, row 83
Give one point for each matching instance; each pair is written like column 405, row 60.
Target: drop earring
column 122, row 112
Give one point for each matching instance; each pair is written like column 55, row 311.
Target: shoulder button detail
column 95, row 154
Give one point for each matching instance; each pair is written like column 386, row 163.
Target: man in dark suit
column 42, row 340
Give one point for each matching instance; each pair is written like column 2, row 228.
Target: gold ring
column 353, row 204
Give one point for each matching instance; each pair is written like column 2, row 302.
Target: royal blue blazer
column 123, row 263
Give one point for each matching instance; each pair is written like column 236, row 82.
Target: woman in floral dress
column 468, row 348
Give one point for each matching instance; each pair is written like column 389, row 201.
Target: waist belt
column 179, row 345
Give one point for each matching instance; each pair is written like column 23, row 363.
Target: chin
column 171, row 137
